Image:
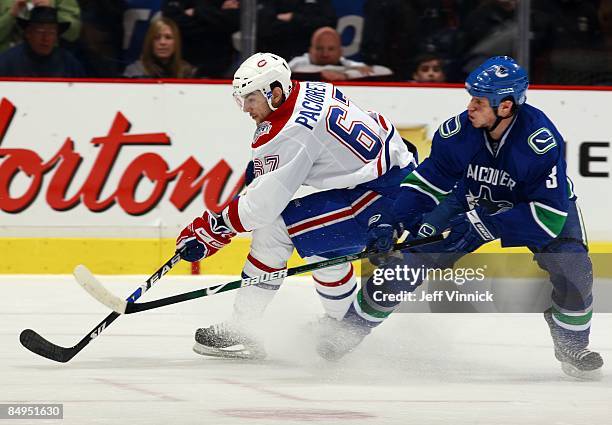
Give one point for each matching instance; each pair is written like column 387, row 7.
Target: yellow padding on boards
column 144, row 256
column 112, row 256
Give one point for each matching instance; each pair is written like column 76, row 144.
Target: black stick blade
column 38, row 345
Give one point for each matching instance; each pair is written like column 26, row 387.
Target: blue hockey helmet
column 497, row 79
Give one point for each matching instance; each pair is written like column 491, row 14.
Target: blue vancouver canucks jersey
column 519, row 180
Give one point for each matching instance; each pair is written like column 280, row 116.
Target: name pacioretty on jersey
column 313, row 103
column 266, row 277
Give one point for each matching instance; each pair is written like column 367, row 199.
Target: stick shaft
column 204, row 292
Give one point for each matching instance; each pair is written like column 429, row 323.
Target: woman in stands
column 161, row 54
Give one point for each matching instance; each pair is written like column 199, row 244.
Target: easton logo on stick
column 98, row 331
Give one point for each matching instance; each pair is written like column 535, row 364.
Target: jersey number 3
column 355, row 135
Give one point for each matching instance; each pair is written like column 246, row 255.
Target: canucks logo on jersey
column 542, row 140
column 485, row 199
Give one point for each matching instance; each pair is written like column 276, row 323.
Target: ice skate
column 227, row 341
column 580, row 363
column 337, row 338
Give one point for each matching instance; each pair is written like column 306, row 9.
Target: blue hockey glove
column 383, row 232
column 438, row 219
column 470, row 230
column 382, row 235
column 249, row 174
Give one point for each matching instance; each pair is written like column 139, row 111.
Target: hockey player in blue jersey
column 497, row 171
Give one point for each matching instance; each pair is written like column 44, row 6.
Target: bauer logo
column 266, row 277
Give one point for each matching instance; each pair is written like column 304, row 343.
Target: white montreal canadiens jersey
column 320, row 138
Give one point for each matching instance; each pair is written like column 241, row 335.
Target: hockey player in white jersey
column 308, row 133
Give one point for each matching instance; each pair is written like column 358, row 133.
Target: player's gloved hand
column 470, row 230
column 249, row 173
column 203, row 237
column 382, row 235
column 437, row 220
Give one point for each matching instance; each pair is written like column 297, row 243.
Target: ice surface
column 414, row 369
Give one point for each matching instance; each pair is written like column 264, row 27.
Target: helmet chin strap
column 498, row 121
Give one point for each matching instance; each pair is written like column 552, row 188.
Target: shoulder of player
column 456, row 140
column 456, row 130
column 539, row 138
column 311, row 105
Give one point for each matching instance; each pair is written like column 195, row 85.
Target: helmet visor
column 249, row 100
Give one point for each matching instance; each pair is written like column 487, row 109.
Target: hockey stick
column 96, row 289
column 37, row 344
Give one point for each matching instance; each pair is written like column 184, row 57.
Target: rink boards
column 107, row 173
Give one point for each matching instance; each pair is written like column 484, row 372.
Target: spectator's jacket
column 20, row 61
column 303, row 69
column 289, row 39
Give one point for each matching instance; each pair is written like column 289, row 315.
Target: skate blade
column 236, row 352
column 574, row 372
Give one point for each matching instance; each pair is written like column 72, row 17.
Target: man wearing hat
column 10, row 10
column 38, row 55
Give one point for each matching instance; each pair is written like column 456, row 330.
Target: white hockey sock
column 336, row 287
column 251, row 301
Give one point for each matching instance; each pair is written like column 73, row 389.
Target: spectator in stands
column 491, row 29
column 438, row 32
column 429, row 69
column 99, row 47
column 285, row 27
column 602, row 58
column 38, row 55
column 136, row 20
column 577, row 33
column 10, row 10
column 604, row 15
column 161, row 53
column 324, row 61
column 390, row 35
column 574, row 22
column 206, row 28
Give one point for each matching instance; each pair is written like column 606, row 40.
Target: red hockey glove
column 203, row 237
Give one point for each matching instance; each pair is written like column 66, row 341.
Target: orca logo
column 485, row 199
column 501, row 71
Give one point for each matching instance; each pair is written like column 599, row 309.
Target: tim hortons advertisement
column 96, row 159
column 114, row 156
